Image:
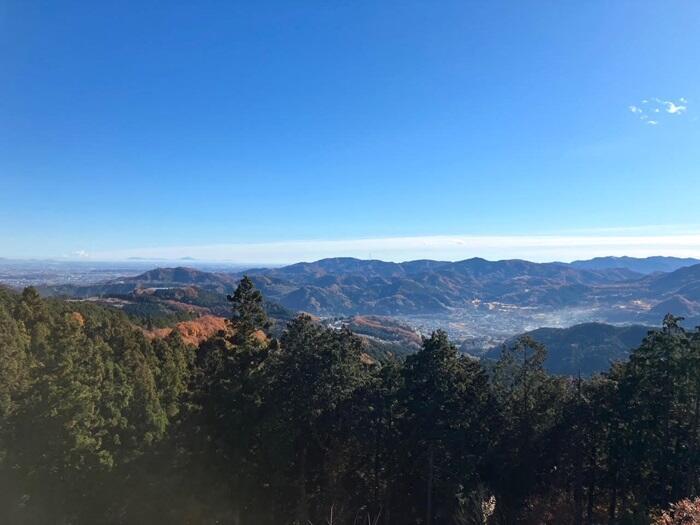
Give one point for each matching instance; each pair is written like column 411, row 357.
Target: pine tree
column 248, row 315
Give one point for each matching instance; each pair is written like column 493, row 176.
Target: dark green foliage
column 83, row 396
column 584, row 349
column 154, row 314
column 446, row 402
column 529, row 408
column 99, row 424
column 15, row 362
column 249, row 313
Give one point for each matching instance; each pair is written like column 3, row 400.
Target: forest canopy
column 101, row 424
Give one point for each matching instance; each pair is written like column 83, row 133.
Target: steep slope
column 192, row 332
column 676, row 305
column 674, row 281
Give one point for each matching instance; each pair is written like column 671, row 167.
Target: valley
column 479, row 303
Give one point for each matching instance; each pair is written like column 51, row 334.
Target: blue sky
column 278, row 131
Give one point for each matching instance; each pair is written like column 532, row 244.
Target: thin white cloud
column 81, row 254
column 674, row 109
column 443, row 247
column 657, row 107
column 642, row 229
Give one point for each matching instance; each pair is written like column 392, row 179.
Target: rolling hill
column 346, row 287
column 352, row 286
column 163, row 294
column 585, row 348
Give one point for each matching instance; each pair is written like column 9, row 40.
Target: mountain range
column 347, row 286
column 644, row 265
column 350, row 286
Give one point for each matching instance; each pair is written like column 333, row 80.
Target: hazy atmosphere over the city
column 350, row 263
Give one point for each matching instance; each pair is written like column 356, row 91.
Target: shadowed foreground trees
column 99, row 424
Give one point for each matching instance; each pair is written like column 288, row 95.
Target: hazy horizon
column 284, row 132
column 189, row 260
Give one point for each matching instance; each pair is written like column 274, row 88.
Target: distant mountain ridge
column 177, row 277
column 347, row 286
column 180, row 275
column 350, row 286
column 644, row 265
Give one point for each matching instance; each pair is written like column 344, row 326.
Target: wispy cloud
column 444, row 247
column 674, row 109
column 656, row 107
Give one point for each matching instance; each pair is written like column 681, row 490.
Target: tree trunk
column 589, row 506
column 591, row 496
column 578, row 487
column 612, row 509
column 429, row 494
column 303, row 503
column 692, row 471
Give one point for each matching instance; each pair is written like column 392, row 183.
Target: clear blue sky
column 131, row 128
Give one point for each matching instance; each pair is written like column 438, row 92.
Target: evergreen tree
column 530, row 404
column 15, row 363
column 446, row 400
column 311, row 381
column 99, row 423
column 376, row 426
column 248, row 314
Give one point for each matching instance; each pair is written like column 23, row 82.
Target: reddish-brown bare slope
column 193, row 332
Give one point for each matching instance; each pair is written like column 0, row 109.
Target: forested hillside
column 584, row 349
column 101, row 424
